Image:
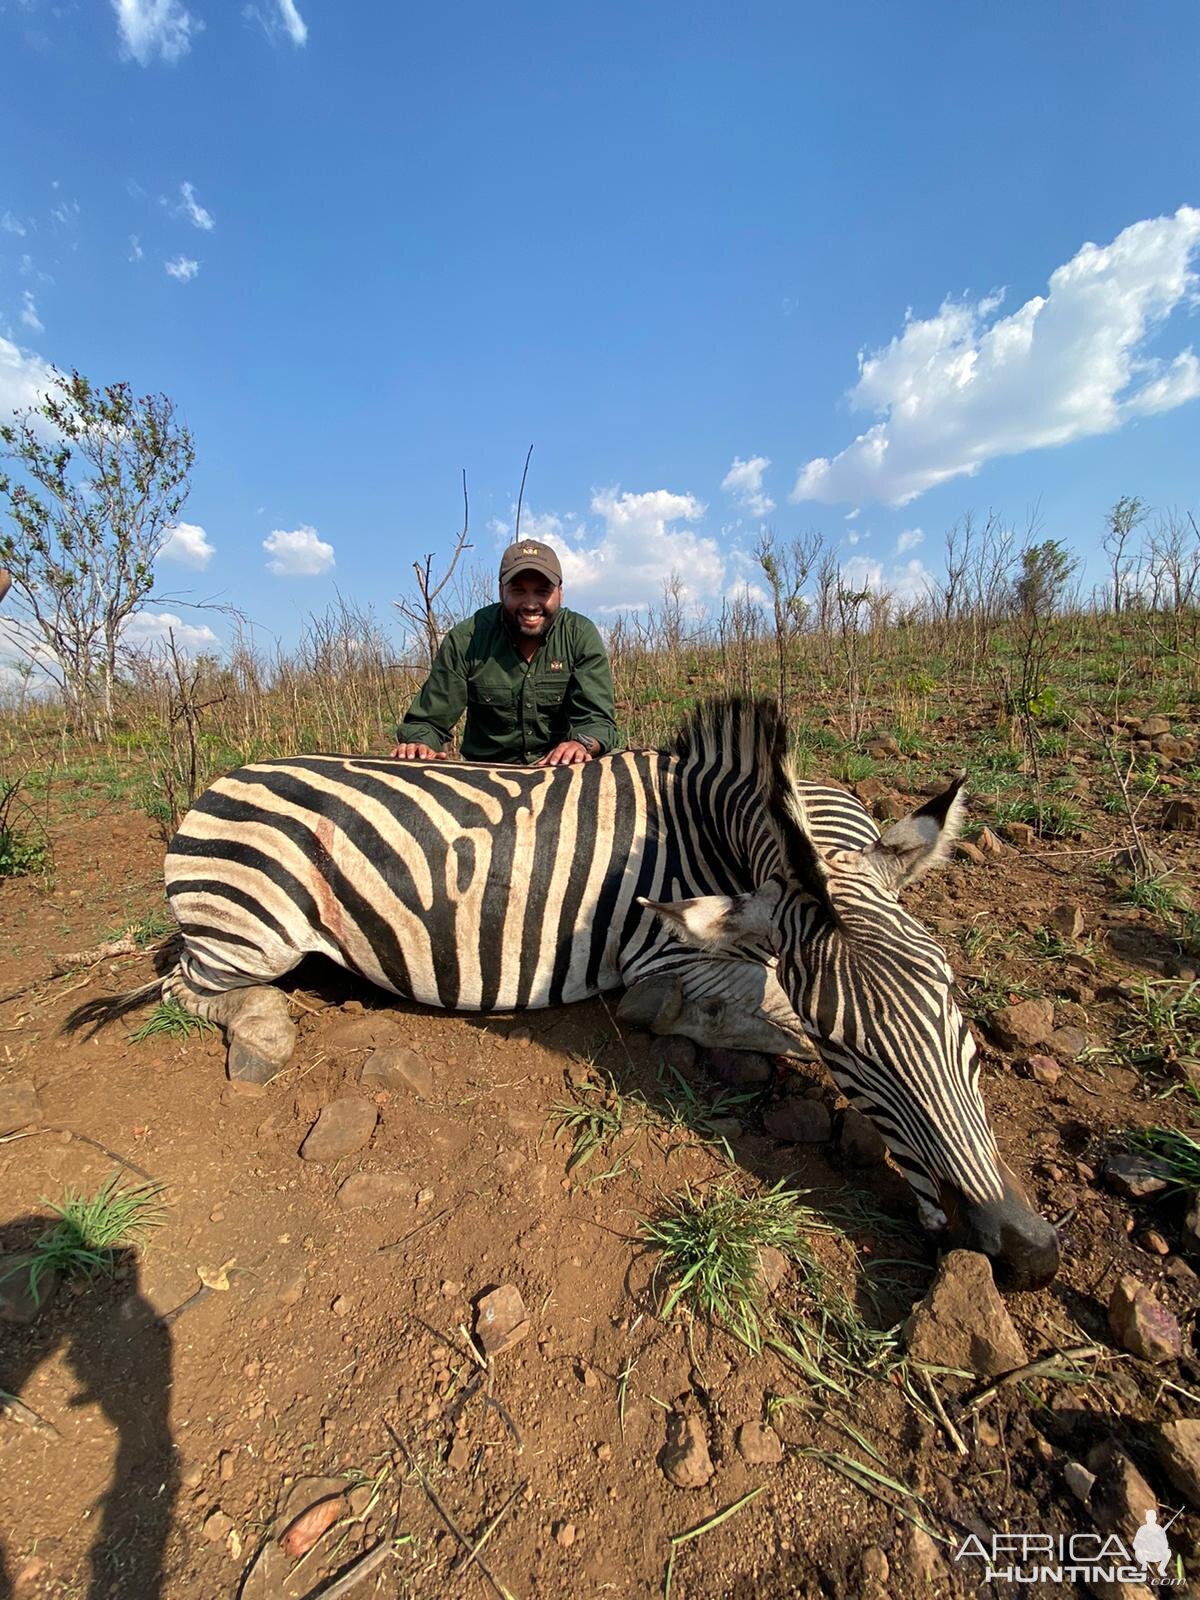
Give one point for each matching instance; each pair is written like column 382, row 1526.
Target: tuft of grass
column 852, row 768
column 22, row 851
column 169, row 1018
column 1158, row 893
column 1051, row 819
column 710, row 1248
column 595, row 1118
column 146, row 930
column 1165, row 1027
column 92, row 1228
column 1176, row 1155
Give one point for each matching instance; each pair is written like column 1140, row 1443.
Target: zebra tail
column 97, row 1014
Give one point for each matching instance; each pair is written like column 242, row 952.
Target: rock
column 289, row 1294
column 798, row 1121
column 679, row 1052
column 737, row 1069
column 1121, row 1497
column 1141, row 1324
column 773, row 1267
column 564, row 1534
column 1153, row 1241
column 1067, row 920
column 1154, row 727
column 1068, row 1042
column 1168, row 746
column 861, row 1141
column 874, row 1567
column 1184, row 1279
column 1020, row 834
column 919, row 1554
column 18, row 1105
column 398, row 1070
column 217, row 1526
column 1079, row 1480
column 1182, row 815
column 1044, row 1070
column 760, row 1445
column 989, row 843
column 458, row 1458
column 356, row 1032
column 20, row 1303
column 1134, row 1176
column 883, row 747
column 373, row 1189
column 684, row 1459
column 344, row 1126
column 1024, row 1025
column 501, row 1320
column 1178, row 1447
column 890, row 807
column 962, row 1321
column 969, row 852
column 869, row 790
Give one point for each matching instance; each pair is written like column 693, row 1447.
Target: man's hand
column 417, row 752
column 566, row 754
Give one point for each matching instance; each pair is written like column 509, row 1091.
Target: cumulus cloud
column 188, row 545
column 191, row 208
column 24, row 378
column 961, row 388
column 905, row 582
column 297, row 553
column 641, row 547
column 744, row 482
column 147, row 628
column 909, row 539
column 150, row 28
column 182, row 269
column 29, row 316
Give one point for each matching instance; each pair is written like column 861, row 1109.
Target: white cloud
column 293, row 22
column 909, row 539
column 29, row 316
column 11, row 224
column 188, row 544
column 640, row 549
column 135, row 248
column 150, row 28
column 857, row 535
column 181, row 268
column 24, row 378
column 909, row 580
column 66, row 214
column 744, row 482
column 148, row 628
column 298, row 553
column 194, row 211
column 961, row 388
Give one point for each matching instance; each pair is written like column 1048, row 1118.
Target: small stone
column 291, row 1292
column 450, row 1288
column 737, row 1069
column 522, row 1034
column 890, row 807
column 226, row 1463
column 424, row 1196
column 564, row 1534
column 1178, row 1447
column 344, row 1126
column 1184, row 1279
column 29, row 1574
column 969, row 852
column 988, row 842
column 684, row 1459
column 1068, row 1042
column 773, row 1267
column 359, row 1499
column 1079, row 1480
column 679, row 1052
column 398, row 1071
column 1020, row 834
column 759, row 1444
column 373, row 1189
column 18, row 1105
column 501, row 1320
column 1155, row 1243
column 1133, row 1176
column 919, row 1553
column 458, row 1459
column 1024, row 1025
column 604, row 1452
column 798, row 1121
column 1120, row 1496
column 874, row 1567
column 1140, row 1324
column 1154, row 726
column 1068, row 920
column 883, row 747
column 341, row 1307
column 1044, row 1070
column 962, row 1321
column 861, row 1141
column 20, row 1301
column 216, row 1526
column 1182, row 815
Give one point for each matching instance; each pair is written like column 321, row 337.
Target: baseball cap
column 530, row 555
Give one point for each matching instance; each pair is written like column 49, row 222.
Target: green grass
column 23, row 849
column 169, row 1018
column 1159, row 893
column 1176, row 1155
column 1165, row 1027
column 146, row 930
column 91, row 1230
column 597, row 1117
column 1050, row 819
column 709, row 1248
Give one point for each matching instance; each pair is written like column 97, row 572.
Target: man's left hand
column 564, row 755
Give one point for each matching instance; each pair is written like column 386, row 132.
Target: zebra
column 734, row 902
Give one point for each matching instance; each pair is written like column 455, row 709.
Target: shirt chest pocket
column 550, row 693
column 494, row 703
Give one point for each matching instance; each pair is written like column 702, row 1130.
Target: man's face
column 529, row 602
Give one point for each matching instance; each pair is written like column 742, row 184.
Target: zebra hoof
column 244, row 1065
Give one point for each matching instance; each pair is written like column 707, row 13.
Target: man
column 532, row 677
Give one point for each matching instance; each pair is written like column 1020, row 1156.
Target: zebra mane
column 730, row 725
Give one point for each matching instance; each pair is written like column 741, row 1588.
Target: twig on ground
column 112, row 1155
column 17, row 1411
column 952, row 1432
column 1031, row 1369
column 463, row 1556
column 413, row 1232
column 354, row 1575
column 432, row 1497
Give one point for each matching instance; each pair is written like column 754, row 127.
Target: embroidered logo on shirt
column 556, row 666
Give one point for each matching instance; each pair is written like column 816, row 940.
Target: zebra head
column 875, row 994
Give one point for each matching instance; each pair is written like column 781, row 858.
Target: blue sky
column 364, row 246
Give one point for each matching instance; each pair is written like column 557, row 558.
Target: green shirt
column 516, row 710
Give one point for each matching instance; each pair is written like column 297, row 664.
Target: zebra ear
column 718, row 921
column 922, row 840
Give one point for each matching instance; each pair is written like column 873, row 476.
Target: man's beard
column 512, row 621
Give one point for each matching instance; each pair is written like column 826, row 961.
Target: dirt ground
column 335, row 1344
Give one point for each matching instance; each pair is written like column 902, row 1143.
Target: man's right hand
column 417, row 752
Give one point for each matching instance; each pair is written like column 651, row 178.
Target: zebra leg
column 258, row 1031
column 724, row 1003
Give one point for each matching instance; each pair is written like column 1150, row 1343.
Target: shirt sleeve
column 441, row 700
column 590, row 699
